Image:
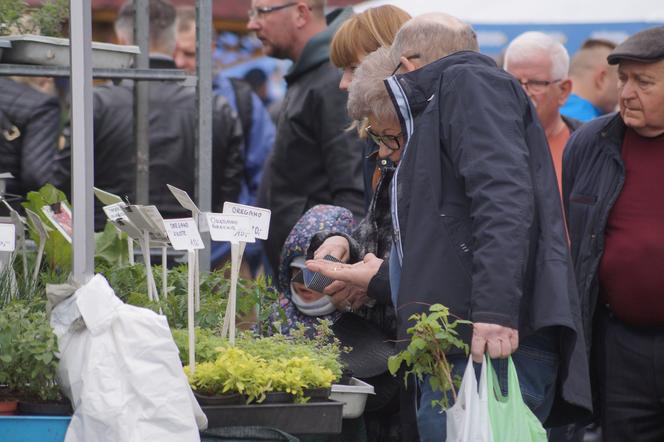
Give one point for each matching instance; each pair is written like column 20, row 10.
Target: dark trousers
column 630, row 361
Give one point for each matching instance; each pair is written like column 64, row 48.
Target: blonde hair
column 364, row 33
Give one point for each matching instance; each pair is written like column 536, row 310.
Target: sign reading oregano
column 432, row 336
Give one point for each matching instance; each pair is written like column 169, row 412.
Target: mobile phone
column 317, row 281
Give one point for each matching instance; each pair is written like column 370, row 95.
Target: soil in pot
column 51, row 408
column 221, row 399
column 346, row 376
column 317, row 394
column 278, row 397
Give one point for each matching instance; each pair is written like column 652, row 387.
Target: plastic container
column 4, row 44
column 33, row 428
column 309, row 418
column 353, row 396
column 52, row 51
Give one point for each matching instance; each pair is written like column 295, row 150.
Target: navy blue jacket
column 593, row 176
column 477, row 215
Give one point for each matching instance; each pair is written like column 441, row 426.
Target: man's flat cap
column 646, row 46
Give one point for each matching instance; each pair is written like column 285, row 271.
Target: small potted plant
column 36, row 36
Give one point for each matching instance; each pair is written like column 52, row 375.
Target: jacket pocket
column 459, row 233
column 577, row 198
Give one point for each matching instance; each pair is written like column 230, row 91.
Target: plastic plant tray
column 52, row 51
column 309, row 418
column 354, row 397
column 33, row 428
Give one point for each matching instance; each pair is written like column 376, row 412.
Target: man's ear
column 600, row 78
column 408, row 65
column 302, row 15
column 565, row 89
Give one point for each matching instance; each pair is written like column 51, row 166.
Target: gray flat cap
column 646, row 46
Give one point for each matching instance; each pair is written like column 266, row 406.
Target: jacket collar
column 317, row 49
column 419, row 86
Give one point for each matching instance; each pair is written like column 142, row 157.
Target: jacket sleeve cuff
column 495, row 318
column 379, row 286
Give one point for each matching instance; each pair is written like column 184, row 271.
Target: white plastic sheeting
column 121, row 370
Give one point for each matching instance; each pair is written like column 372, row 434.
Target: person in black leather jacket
column 172, row 125
column 29, row 130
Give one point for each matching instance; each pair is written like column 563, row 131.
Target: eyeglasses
column 411, row 57
column 537, row 86
column 263, row 10
column 389, row 141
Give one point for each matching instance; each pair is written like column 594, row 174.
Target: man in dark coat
column 29, row 131
column 477, row 219
column 315, row 160
column 172, row 124
column 612, row 183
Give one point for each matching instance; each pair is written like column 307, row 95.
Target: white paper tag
column 260, row 217
column 233, row 228
column 183, row 198
column 106, row 198
column 183, row 234
column 114, row 211
column 153, row 215
column 7, row 237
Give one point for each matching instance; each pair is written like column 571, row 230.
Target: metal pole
column 204, row 130
column 82, row 165
column 141, row 105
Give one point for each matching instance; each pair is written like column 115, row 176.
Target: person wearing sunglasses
column 314, row 160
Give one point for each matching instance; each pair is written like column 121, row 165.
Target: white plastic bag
column 121, row 370
column 468, row 419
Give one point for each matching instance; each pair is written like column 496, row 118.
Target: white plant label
column 183, row 198
column 260, row 217
column 183, row 234
column 233, row 228
column 114, row 212
column 7, row 237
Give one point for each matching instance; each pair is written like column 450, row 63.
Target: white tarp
column 529, row 11
column 121, row 370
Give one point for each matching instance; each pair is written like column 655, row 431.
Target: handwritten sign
column 114, row 212
column 260, row 217
column 183, row 234
column 7, row 237
column 233, row 228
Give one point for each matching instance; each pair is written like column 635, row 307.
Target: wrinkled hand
column 498, row 341
column 347, row 297
column 358, row 274
column 336, row 246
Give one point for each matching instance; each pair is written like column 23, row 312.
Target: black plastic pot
column 221, row 399
column 278, row 397
column 317, row 394
column 62, row 408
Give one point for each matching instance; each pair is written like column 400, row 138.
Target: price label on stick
column 233, row 228
column 114, row 212
column 7, row 237
column 260, row 217
column 183, row 234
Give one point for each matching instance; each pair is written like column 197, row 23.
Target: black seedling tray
column 310, row 418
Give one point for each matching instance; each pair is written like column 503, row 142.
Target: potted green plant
column 28, row 349
column 36, row 35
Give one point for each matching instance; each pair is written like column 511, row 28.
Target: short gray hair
column 433, row 36
column 367, row 94
column 530, row 44
column 162, row 24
